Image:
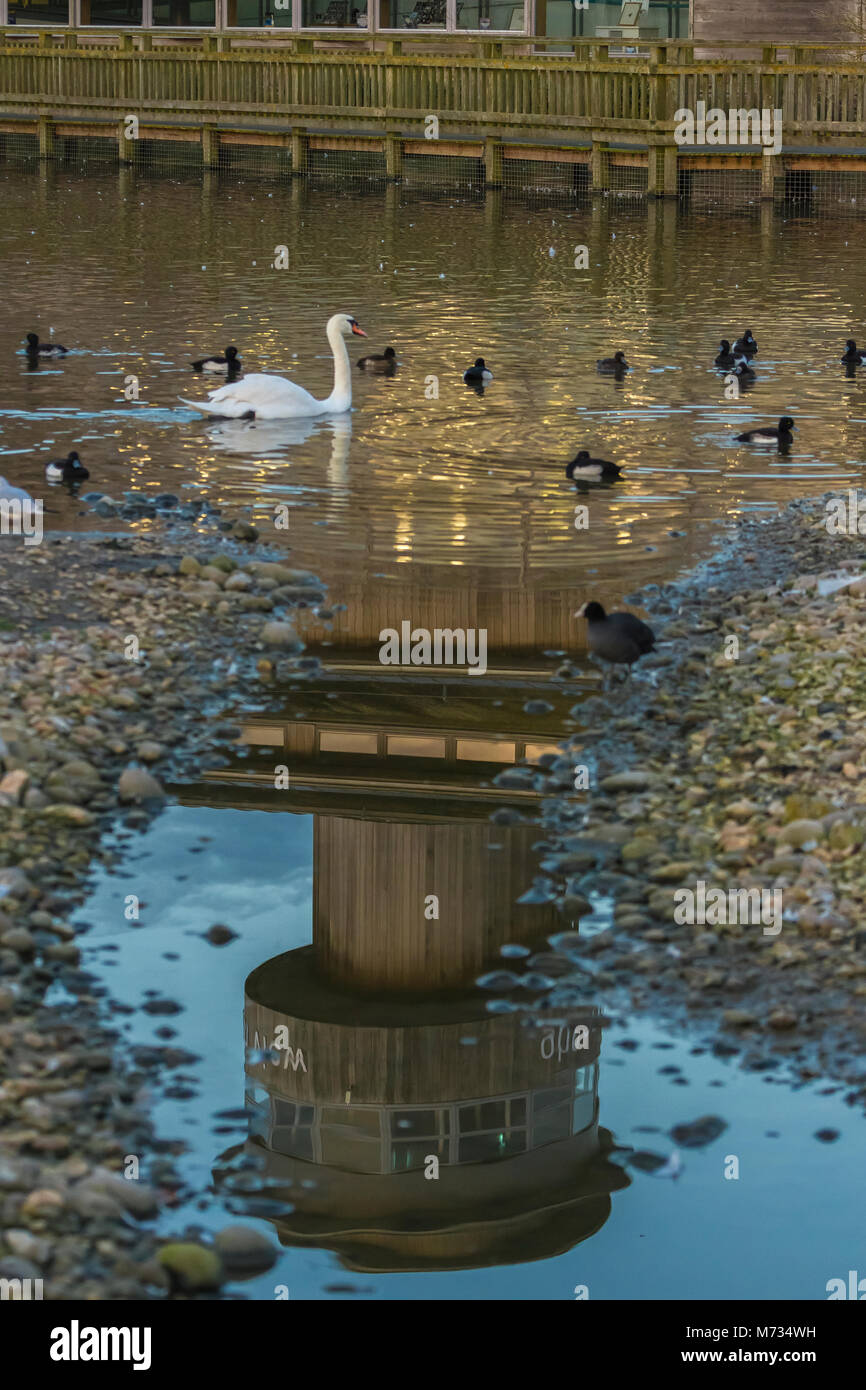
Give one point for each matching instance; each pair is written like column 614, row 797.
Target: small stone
column 635, row 780
column 189, row 565
column 739, row 1018
column 276, row 634
column 672, row 873
column 239, row 580
column 43, row 1201
column 138, row 785
column 219, row 935
column 18, row 939
column 801, row 833
column 192, row 1267
column 244, row 1250
column 149, row 752
column 781, row 1019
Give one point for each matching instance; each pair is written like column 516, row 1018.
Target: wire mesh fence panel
column 18, row 148
column 346, row 166
column 547, row 180
column 627, row 180
column 452, row 172
column 255, row 161
column 730, row 189
column 822, row 192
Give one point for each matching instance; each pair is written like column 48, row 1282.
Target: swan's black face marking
column 356, row 328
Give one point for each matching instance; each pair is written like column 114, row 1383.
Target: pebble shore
column 739, row 764
column 116, row 657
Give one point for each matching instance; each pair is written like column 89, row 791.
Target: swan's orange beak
column 356, row 328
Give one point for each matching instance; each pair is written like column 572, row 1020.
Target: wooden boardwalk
column 494, row 100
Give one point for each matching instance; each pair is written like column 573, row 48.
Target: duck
column 384, row 362
column 583, row 466
column 617, row 363
column 746, row 344
column 781, row 433
column 37, row 349
column 853, row 354
column 229, row 363
column 726, row 358
column 744, row 372
column 480, row 372
column 68, row 470
column 261, row 397
column 617, row 638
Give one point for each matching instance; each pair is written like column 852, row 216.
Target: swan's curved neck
column 341, row 396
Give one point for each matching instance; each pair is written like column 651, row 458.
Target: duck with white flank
column 770, row 434
column 68, row 470
column 260, row 397
column 852, row 355
column 617, row 638
column 225, row 365
column 474, row 376
column 613, row 365
column 384, row 363
column 747, row 346
column 37, row 349
column 583, row 466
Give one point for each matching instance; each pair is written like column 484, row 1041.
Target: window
column 39, row 12
column 491, row 14
column 260, row 14
column 334, row 14
column 412, row 14
column 184, row 13
column 114, row 12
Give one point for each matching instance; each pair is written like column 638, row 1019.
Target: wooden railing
column 476, row 90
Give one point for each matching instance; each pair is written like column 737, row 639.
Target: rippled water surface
column 435, row 504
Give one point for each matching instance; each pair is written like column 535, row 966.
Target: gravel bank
column 116, row 657
column 737, row 760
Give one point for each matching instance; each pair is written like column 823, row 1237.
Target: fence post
column 394, row 157
column 210, row 147
column 492, row 164
column 300, row 151
column 600, row 165
column 45, row 137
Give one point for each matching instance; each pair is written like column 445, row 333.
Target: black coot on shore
column 617, row 638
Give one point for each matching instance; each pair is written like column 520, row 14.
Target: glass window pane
column 353, row 1120
column 39, row 12
column 344, row 1151
column 284, row 1112
column 552, row 1126
column 334, row 14
column 259, row 14
column 548, row 1100
column 483, row 1148
column 295, row 1143
column 185, row 13
column 491, row 14
column 405, row 1124
column 412, row 1155
column 111, row 12
column 412, row 14
column 584, row 1113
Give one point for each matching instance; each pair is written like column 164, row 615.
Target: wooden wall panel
column 799, row 21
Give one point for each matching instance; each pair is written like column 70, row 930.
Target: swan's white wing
column 268, row 397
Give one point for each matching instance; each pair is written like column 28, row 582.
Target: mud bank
column 734, row 764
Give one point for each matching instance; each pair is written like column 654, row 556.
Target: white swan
column 274, row 398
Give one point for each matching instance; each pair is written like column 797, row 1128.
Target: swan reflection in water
column 272, row 438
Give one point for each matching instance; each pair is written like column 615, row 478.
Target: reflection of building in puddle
column 402, row 1123
column 422, row 1133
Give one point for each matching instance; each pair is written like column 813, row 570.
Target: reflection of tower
column 403, row 1124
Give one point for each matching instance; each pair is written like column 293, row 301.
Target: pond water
column 445, row 507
